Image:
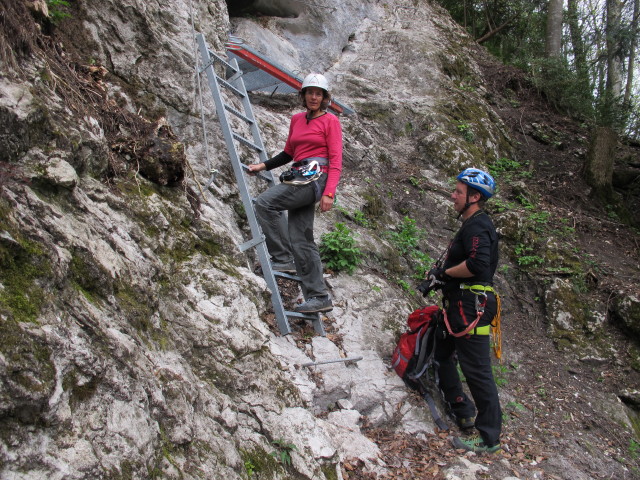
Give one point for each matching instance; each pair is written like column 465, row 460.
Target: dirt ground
column 556, row 425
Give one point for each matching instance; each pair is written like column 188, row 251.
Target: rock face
column 134, row 341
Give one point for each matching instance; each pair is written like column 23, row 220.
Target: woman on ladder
column 315, row 146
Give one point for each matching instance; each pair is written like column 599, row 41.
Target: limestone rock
column 626, row 310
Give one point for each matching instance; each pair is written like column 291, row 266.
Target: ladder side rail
column 248, row 111
column 228, row 135
column 269, row 275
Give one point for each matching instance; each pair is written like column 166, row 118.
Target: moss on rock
column 24, row 267
column 28, row 376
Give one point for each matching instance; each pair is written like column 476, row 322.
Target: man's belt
column 478, row 289
column 486, row 330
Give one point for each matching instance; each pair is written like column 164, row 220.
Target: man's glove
column 436, row 278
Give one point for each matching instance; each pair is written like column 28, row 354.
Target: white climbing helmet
column 315, row 80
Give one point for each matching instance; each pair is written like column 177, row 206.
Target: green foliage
column 499, row 372
column 57, row 10
column 562, row 87
column 525, row 257
column 404, row 285
column 339, row 250
column 421, row 262
column 357, row 216
column 249, row 467
column 407, row 237
column 260, row 464
column 503, row 165
column 634, row 449
column 466, row 132
column 512, row 406
column 283, row 451
column 539, row 220
column 525, row 202
column 574, row 82
column 22, row 266
column 498, row 205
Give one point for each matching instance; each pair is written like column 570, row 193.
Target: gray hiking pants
column 293, row 240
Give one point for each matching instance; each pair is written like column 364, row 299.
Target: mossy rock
column 575, row 320
column 259, row 464
column 28, row 373
column 626, row 313
column 89, row 276
column 24, row 267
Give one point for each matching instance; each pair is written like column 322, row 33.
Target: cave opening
column 264, row 8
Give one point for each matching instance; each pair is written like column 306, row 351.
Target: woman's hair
column 326, row 98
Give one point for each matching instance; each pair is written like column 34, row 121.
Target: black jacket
column 477, row 243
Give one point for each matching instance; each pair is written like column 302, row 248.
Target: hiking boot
column 284, row 267
column 466, row 423
column 474, row 444
column 315, row 305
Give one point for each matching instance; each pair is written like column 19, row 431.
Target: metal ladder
column 234, row 85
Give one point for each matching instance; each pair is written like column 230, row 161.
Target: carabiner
column 480, row 306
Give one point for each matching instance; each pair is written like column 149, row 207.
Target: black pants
column 473, row 352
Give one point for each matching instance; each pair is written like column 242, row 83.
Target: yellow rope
column 496, row 332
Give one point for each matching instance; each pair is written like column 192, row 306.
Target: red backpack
column 414, row 355
column 414, row 352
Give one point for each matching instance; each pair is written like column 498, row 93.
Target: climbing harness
column 305, row 171
column 480, row 292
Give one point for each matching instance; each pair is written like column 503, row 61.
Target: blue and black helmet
column 480, row 180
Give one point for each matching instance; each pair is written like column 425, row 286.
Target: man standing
column 469, row 304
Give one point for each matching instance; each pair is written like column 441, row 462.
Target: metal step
column 246, row 142
column 230, row 87
column 239, row 114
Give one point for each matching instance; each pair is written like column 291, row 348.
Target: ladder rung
column 246, row 142
column 287, row 276
column 264, row 176
column 216, row 58
column 251, row 243
column 228, row 86
column 306, row 316
column 238, row 114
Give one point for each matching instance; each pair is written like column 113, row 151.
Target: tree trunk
column 632, row 52
column 553, row 45
column 600, row 159
column 577, row 41
column 614, row 54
